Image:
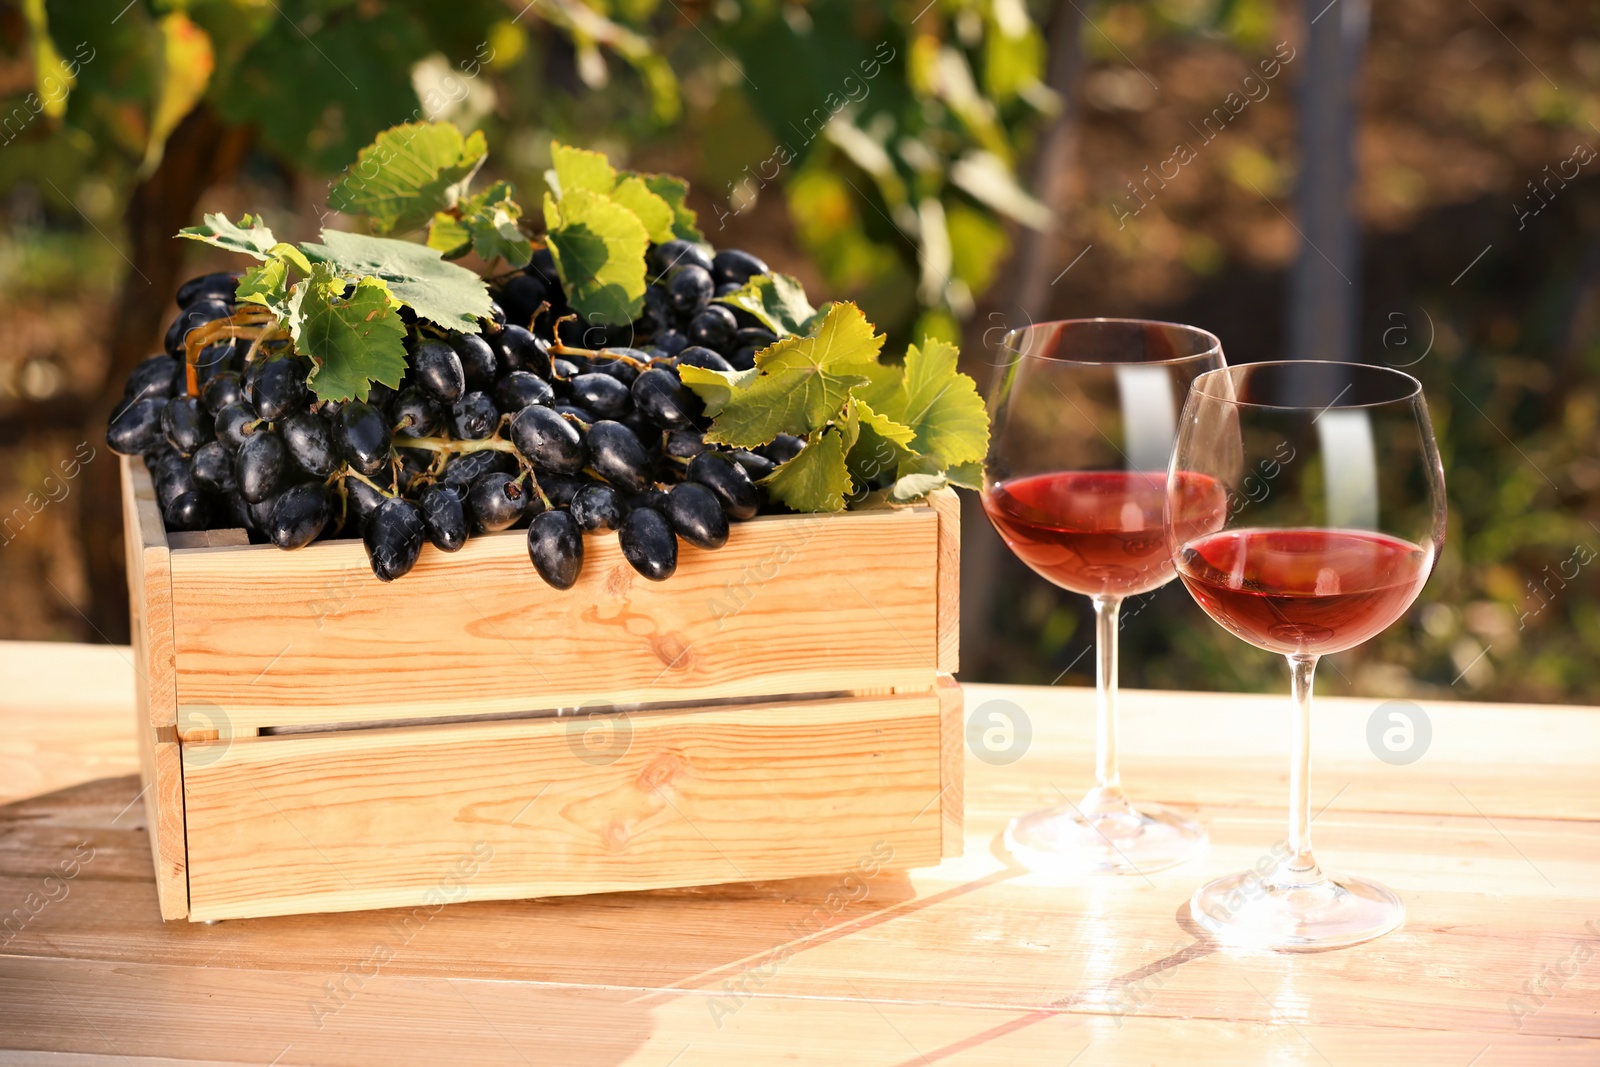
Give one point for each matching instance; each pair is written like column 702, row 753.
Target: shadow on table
column 76, row 879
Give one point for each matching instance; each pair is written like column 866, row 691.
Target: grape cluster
column 537, row 420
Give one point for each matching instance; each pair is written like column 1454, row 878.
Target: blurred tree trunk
column 201, row 152
column 1325, row 283
column 1029, row 275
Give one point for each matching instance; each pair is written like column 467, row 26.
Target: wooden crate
column 316, row 740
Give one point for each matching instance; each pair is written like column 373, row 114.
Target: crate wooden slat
column 791, row 699
column 427, row 814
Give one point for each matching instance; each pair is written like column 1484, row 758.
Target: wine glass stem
column 1301, row 864
column 1108, row 780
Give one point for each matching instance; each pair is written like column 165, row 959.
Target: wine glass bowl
column 1321, row 514
column 1082, row 415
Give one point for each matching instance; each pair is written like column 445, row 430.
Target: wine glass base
column 1248, row 911
column 1135, row 840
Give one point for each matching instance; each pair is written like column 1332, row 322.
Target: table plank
column 972, row 961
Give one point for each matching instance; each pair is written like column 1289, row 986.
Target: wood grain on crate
column 548, row 807
column 792, row 604
column 1492, row 838
column 150, row 610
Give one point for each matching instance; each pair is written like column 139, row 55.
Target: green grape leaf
column 578, row 168
column 266, row 284
column 351, row 342
column 940, row 404
column 599, row 248
column 966, row 476
column 802, row 381
column 249, row 236
column 884, row 426
column 408, row 173
column 442, row 293
column 675, row 191
column 814, row 480
column 715, row 387
column 656, row 214
column 778, row 300
column 911, row 488
column 486, row 223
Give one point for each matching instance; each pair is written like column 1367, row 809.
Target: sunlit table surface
column 1491, row 835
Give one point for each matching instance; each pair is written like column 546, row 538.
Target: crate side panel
column 801, row 604
column 953, row 732
column 948, row 506
column 424, row 815
column 155, row 703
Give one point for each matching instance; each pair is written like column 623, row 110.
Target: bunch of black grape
column 540, row 424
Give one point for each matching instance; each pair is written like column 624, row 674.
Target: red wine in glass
column 1098, row 533
column 1083, row 414
column 1304, row 591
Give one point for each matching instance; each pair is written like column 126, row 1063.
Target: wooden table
column 1492, row 838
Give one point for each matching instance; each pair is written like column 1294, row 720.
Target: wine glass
column 1083, row 414
column 1323, row 511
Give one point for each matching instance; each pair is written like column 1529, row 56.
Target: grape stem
column 247, row 322
column 446, row 444
column 358, row 476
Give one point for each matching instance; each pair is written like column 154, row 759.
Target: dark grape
column 656, row 315
column 158, row 376
column 759, row 336
column 218, row 359
column 616, row 454
column 555, row 545
column 235, row 512
column 363, row 437
column 300, row 515
column 191, row 318
column 602, row 394
column 213, row 468
column 696, row 356
column 713, row 327
column 696, row 514
column 583, row 415
column 743, row 358
column 260, row 465
column 496, row 501
column 648, row 544
column 137, row 428
column 689, row 288
column 190, row 511
column 186, row 423
column 445, row 516
column 381, row 396
column 651, row 498
column 547, row 440
column 173, row 478
column 436, row 367
column 734, row 266
column 497, row 317
column 783, row 448
column 520, row 388
column 477, row 361
column 234, row 424
column 361, row 501
column 521, row 297
column 474, row 417
column 543, row 264
column 725, row 289
column 516, row 349
column 279, row 390
column 220, row 285
column 564, row 369
column 663, row 399
column 597, row 507
column 562, row 489
column 670, row 343
column 223, row 389
column 260, row 514
column 309, row 439
column 757, row 467
column 416, row 414
column 683, row 444
column 463, row 470
column 729, row 481
column 670, row 254
column 393, row 536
